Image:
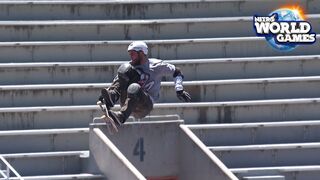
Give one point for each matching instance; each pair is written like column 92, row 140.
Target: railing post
column 8, row 172
column 8, row 169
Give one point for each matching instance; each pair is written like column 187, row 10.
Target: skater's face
column 135, row 57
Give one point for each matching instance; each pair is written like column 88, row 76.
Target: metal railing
column 5, row 173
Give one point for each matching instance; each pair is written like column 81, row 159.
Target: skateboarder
column 137, row 84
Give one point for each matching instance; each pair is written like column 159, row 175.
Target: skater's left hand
column 100, row 98
column 183, row 96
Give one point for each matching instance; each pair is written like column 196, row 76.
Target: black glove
column 101, row 98
column 183, row 96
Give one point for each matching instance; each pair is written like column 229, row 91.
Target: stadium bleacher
column 255, row 108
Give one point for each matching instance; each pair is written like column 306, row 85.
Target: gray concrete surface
column 197, row 162
column 203, row 113
column 171, row 155
column 49, row 163
column 193, row 69
column 82, row 176
column 132, row 29
column 149, row 146
column 201, row 91
column 105, row 9
column 257, row 133
column 285, row 156
column 268, row 155
column 164, row 49
column 126, row 29
column 194, row 45
column 120, row 168
column 21, row 141
column 275, row 177
column 290, row 172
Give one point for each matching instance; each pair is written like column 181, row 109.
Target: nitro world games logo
column 285, row 28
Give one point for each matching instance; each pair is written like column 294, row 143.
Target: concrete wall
column 156, row 149
column 197, row 162
column 113, row 164
column 150, row 147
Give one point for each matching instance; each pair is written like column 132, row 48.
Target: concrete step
column 204, row 113
column 86, row 30
column 220, row 90
column 274, row 177
column 44, row 140
column 47, row 51
column 47, row 163
column 125, row 29
column 70, row 126
column 268, row 155
column 193, row 69
column 257, row 133
column 142, row 9
column 290, row 172
column 82, row 176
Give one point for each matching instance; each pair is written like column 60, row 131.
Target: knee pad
column 134, row 90
column 127, row 72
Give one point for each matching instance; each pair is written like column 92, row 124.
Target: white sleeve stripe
column 178, row 83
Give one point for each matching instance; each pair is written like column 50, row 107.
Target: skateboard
column 111, row 125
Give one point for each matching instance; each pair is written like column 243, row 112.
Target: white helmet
column 138, row 46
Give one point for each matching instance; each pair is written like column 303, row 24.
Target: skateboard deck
column 111, row 125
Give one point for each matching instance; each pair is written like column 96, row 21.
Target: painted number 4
column 139, row 149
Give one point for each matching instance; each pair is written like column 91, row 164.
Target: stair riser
column 125, row 31
column 289, row 174
column 201, row 70
column 192, row 114
column 152, row 30
column 46, row 165
column 149, row 10
column 189, row 49
column 200, row 93
column 264, row 178
column 264, row 158
column 44, row 143
column 259, row 135
column 45, row 120
column 305, row 175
